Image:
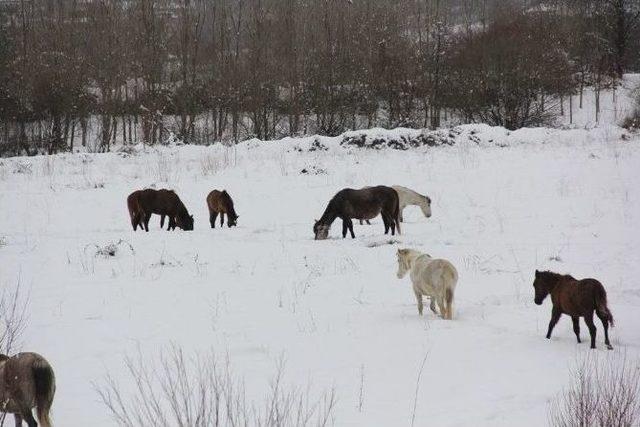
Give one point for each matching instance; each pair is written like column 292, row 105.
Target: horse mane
column 329, row 215
column 554, row 275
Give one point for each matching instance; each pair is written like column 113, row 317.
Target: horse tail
column 451, row 277
column 45, row 388
column 396, row 212
column 601, row 303
column 448, row 296
column 135, row 209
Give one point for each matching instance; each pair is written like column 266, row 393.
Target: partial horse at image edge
column 27, row 381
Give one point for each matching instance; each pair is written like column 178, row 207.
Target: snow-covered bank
column 504, row 204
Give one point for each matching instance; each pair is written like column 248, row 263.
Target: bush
column 601, row 394
column 200, row 393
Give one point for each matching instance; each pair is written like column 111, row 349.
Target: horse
column 435, row 278
column 365, row 203
column 166, row 203
column 26, row 381
column 575, row 298
column 408, row 197
column 219, row 202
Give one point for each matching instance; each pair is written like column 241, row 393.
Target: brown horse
column 26, row 381
column 219, row 202
column 363, row 204
column 576, row 298
column 143, row 203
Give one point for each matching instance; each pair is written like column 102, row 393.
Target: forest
column 101, row 73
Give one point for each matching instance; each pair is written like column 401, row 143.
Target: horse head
column 403, row 263
column 426, row 207
column 320, row 230
column 185, row 222
column 542, row 287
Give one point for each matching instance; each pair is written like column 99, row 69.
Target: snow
column 504, row 204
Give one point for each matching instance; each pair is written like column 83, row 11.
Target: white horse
column 409, row 197
column 435, row 278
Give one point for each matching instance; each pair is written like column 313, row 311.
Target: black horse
column 360, row 204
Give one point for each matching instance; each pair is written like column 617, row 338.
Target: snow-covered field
column 334, row 310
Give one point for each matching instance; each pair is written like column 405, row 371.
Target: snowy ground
column 562, row 200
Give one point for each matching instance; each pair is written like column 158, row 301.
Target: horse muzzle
column 538, row 301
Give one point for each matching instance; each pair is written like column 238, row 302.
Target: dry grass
column 199, row 392
column 603, row 392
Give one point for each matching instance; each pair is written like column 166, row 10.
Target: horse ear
column 537, row 273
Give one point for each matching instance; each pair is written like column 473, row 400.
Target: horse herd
column 27, row 380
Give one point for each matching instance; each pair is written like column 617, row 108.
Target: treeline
column 99, row 72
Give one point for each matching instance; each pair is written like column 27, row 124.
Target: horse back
column 577, row 297
column 366, row 202
column 219, row 201
column 17, row 377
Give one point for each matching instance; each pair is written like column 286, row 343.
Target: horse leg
column 350, row 226
column 576, row 327
column 367, row 221
column 28, row 417
column 18, row 419
column 162, row 221
column 592, row 328
column 212, row 219
column 385, row 221
column 221, row 219
column 432, row 306
column 345, row 228
column 147, row 217
column 442, row 307
column 420, row 304
column 605, row 324
column 134, row 221
column 555, row 316
column 400, row 215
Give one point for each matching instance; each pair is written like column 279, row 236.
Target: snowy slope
column 504, row 204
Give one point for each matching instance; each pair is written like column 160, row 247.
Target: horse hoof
column 609, row 347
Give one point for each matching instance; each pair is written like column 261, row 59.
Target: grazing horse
column 576, row 298
column 365, row 203
column 219, row 202
column 26, row 381
column 435, row 278
column 143, row 203
column 408, row 197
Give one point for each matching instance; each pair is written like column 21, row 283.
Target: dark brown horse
column 166, row 203
column 576, row 298
column 363, row 204
column 26, row 381
column 219, row 202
